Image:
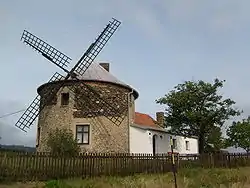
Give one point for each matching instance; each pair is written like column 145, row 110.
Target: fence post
column 173, row 161
column 229, row 160
column 178, row 161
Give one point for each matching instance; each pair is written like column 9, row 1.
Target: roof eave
column 135, row 93
column 148, row 127
column 159, row 129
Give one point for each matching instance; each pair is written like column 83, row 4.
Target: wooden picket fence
column 45, row 166
column 216, row 160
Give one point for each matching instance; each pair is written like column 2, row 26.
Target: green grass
column 187, row 178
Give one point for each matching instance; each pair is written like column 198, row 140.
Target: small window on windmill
column 64, row 99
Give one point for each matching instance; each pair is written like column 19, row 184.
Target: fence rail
column 45, row 166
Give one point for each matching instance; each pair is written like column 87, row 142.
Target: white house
column 146, row 136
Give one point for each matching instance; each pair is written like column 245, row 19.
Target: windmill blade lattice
column 96, row 47
column 86, row 96
column 45, row 49
column 30, row 114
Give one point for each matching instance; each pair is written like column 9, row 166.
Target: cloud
column 215, row 16
column 182, row 10
column 3, row 15
column 146, row 18
column 8, row 132
column 142, row 15
column 12, row 135
column 229, row 17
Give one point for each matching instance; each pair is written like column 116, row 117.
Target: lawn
column 187, row 178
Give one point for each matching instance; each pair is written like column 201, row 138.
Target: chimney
column 160, row 118
column 105, row 66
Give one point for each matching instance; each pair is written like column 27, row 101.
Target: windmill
column 113, row 111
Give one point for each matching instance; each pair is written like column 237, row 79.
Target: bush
column 61, row 142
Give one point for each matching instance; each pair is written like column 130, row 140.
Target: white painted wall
column 141, row 141
column 162, row 142
column 181, row 145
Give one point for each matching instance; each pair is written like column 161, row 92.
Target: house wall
column 141, row 141
column 181, row 145
column 162, row 142
column 104, row 135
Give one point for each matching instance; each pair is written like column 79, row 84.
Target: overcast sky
column 159, row 44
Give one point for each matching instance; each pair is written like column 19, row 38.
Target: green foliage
column 214, row 137
column 186, row 178
column 56, row 184
column 239, row 134
column 195, row 108
column 52, row 184
column 61, row 142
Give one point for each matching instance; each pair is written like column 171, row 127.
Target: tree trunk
column 201, row 143
column 202, row 139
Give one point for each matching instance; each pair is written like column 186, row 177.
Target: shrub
column 61, row 142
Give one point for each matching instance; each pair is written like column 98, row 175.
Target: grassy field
column 187, row 178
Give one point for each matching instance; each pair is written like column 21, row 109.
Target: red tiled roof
column 145, row 120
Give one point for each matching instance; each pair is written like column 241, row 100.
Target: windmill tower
column 78, row 101
column 94, row 132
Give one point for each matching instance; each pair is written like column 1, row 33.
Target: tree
column 195, row 108
column 214, row 137
column 239, row 134
column 61, row 142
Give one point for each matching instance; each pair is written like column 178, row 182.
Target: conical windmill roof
column 97, row 73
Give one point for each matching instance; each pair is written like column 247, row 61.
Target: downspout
column 129, row 94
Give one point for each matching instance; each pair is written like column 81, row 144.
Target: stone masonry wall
column 54, row 116
column 116, row 96
column 104, row 135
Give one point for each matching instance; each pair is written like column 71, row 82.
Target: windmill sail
column 86, row 96
column 31, row 113
column 48, row 51
column 96, row 47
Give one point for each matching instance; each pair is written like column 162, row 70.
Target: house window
column 64, row 98
column 187, row 145
column 82, row 134
column 174, row 143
